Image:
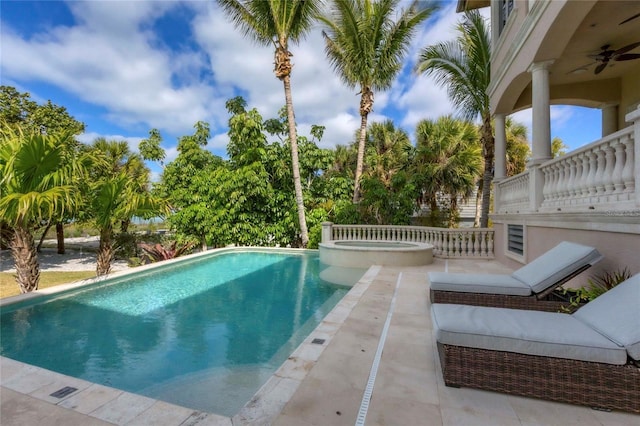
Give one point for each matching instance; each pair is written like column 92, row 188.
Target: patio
column 323, row 384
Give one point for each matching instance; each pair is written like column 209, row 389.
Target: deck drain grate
column 61, row 393
column 317, row 341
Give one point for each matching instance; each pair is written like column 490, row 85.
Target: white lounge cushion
column 478, row 283
column 520, row 331
column 616, row 315
column 559, row 262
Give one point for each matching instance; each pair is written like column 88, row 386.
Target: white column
column 609, row 119
column 327, row 232
column 541, row 131
column 500, row 171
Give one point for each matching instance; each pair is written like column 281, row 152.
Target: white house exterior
column 540, row 57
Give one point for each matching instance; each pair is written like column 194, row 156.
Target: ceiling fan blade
column 597, row 56
column 630, row 19
column 583, row 68
column 627, row 48
column 627, row 57
column 600, row 68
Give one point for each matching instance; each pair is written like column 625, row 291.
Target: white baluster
column 627, row 173
column 582, row 169
column 600, row 167
column 476, row 243
column 591, row 177
column 608, row 169
column 618, row 183
column 571, row 184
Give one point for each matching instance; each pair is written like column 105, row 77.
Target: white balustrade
column 447, row 242
column 597, row 175
column 514, row 194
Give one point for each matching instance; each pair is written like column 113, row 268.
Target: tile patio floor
column 320, row 384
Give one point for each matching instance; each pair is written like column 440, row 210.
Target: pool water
column 205, row 333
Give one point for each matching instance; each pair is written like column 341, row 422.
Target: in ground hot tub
column 362, row 254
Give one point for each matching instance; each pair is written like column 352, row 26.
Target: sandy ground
column 79, row 255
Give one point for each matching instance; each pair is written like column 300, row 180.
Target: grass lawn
column 9, row 287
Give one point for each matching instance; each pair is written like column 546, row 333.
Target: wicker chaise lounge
column 590, row 357
column 529, row 287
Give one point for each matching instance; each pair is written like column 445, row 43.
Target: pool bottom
column 156, row 365
column 37, row 383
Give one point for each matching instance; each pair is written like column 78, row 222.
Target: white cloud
column 111, row 58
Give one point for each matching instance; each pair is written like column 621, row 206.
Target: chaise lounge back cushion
column 556, row 264
column 538, row 333
column 616, row 315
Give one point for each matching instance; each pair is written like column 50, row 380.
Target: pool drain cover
column 317, row 341
column 61, row 393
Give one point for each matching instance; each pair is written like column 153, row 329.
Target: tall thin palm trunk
column 366, row 106
column 488, row 147
column 25, row 257
column 285, row 76
column 360, row 161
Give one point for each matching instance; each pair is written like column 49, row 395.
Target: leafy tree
column 463, row 65
column 185, row 181
column 19, row 111
column 366, row 47
column 151, row 149
column 276, row 22
column 36, row 185
column 387, row 205
column 447, row 162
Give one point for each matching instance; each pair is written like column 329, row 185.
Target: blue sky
column 124, row 67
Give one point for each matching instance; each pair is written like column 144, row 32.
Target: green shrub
column 596, row 286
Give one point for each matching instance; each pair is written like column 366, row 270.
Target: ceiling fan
column 609, row 55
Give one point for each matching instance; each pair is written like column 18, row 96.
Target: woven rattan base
column 500, row 301
column 615, row 387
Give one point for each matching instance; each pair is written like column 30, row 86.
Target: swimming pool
column 205, row 333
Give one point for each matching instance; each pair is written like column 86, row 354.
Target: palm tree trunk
column 60, row 237
column 476, row 219
column 360, row 162
column 105, row 252
column 488, row 152
column 25, row 257
column 42, row 237
column 295, row 163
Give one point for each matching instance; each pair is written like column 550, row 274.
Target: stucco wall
column 619, row 250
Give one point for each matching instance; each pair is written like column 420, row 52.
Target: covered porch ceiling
column 589, row 63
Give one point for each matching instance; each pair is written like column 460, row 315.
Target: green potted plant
column 595, row 287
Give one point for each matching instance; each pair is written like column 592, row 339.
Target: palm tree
column 113, row 199
column 276, row 22
column 366, row 47
column 463, row 65
column 118, row 190
column 517, row 147
column 447, row 161
column 115, row 157
column 387, row 151
column 36, row 186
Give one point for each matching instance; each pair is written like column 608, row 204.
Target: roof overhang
column 464, row 5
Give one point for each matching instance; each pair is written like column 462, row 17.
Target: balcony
column 600, row 178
